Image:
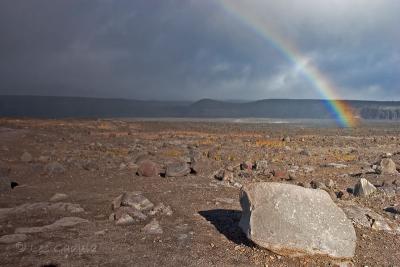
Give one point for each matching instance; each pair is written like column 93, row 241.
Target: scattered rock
column 286, row 139
column 124, row 220
column 387, row 166
column 279, row 173
column 261, row 165
column 393, row 209
column 44, row 207
column 335, row 165
column 147, row 168
column 54, row 168
column 161, row 209
column 294, row 221
column 224, row 175
column 305, row 152
column 58, row 197
column 136, row 200
column 318, row 185
column 61, row 223
column 13, row 238
column 364, row 188
column 177, row 169
column 248, row 165
column 153, row 228
column 26, row 157
column 134, row 213
column 116, row 203
column 364, row 217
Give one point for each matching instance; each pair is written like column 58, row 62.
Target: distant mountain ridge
column 81, row 107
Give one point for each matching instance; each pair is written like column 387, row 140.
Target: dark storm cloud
column 181, row 49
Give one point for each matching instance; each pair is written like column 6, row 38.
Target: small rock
column 148, row 168
column 153, row 228
column 247, row 165
column 13, row 238
column 279, row 173
column 161, row 209
column 136, row 200
column 365, row 217
column 61, row 223
column 387, row 166
column 335, row 165
column 54, row 168
column 318, row 185
column 26, row 157
column 224, row 175
column 116, row 203
column 261, row 165
column 177, row 169
column 393, row 209
column 286, row 139
column 305, row 152
column 58, row 197
column 364, row 188
column 124, row 220
column 43, row 159
column 330, row 184
column 102, row 232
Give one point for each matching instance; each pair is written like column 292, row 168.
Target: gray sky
column 191, row 49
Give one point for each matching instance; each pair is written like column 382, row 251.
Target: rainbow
column 340, row 108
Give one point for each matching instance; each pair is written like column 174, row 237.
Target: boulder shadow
column 227, row 223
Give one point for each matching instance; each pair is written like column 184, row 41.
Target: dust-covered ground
column 89, row 163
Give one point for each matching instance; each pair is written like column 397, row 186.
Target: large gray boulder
column 295, row 221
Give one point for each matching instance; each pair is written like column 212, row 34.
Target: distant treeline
column 79, row 107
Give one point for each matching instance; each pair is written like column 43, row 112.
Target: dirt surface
column 99, row 161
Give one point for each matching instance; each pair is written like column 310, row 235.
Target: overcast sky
column 192, row 49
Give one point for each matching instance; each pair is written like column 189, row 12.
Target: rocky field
column 136, row 193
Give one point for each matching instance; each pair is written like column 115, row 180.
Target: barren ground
column 99, row 158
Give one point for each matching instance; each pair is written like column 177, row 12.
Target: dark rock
column 393, row 209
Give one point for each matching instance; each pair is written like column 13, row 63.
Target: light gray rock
column 177, row 169
column 136, row 200
column 365, row 217
column 26, row 157
column 13, row 238
column 54, row 168
column 153, row 228
column 295, row 221
column 124, row 220
column 58, row 197
column 161, row 209
column 261, row 165
column 364, row 188
column 335, row 165
column 387, row 166
column 61, row 223
column 40, row 207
